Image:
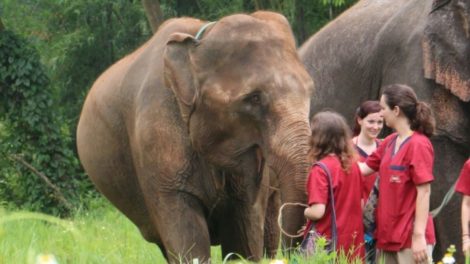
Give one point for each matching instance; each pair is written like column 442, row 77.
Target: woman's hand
column 419, row 248
column 418, row 240
column 466, row 245
column 365, row 170
column 301, row 230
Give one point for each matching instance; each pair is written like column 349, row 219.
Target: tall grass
column 101, row 235
column 98, row 235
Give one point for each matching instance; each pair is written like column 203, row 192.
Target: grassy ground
column 99, row 235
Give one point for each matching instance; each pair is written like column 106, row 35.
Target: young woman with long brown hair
column 332, row 146
column 405, row 231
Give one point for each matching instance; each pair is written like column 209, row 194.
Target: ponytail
column 418, row 112
column 424, row 121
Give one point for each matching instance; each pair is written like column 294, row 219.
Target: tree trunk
column 330, row 4
column 154, row 13
column 2, row 27
column 300, row 17
column 258, row 5
column 109, row 43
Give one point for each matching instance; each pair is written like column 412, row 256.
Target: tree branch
column 154, row 13
column 57, row 192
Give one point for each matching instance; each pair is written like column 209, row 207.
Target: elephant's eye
column 254, row 98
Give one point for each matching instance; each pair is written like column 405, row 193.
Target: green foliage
column 86, row 38
column 32, row 133
column 305, row 16
column 336, row 3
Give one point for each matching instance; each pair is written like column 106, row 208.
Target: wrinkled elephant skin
column 177, row 134
column 425, row 44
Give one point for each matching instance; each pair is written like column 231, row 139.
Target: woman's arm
column 315, row 211
column 465, row 222
column 365, row 170
column 418, row 245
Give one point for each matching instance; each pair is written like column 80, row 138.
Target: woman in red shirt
column 331, row 144
column 405, row 231
column 368, row 125
column 369, row 121
column 463, row 187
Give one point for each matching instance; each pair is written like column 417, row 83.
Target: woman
column 463, row 187
column 368, row 124
column 405, row 231
column 331, row 145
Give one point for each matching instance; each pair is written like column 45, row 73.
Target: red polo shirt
column 463, row 183
column 347, row 188
column 400, row 173
column 370, row 179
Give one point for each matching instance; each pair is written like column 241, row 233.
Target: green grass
column 99, row 235
column 102, row 235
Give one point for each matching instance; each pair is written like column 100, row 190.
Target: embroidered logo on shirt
column 395, row 179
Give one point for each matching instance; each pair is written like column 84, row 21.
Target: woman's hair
column 331, row 135
column 418, row 112
column 366, row 108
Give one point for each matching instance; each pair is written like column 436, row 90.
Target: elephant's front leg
column 243, row 220
column 272, row 232
column 242, row 232
column 181, row 223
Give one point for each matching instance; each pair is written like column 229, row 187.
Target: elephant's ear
column 178, row 72
column 446, row 49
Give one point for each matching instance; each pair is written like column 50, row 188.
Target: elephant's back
column 130, row 77
column 353, row 33
column 130, row 91
column 134, row 82
column 346, row 56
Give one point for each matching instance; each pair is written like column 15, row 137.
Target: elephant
column 189, row 135
column 424, row 44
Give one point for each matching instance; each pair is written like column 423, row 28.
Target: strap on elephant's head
column 201, row 31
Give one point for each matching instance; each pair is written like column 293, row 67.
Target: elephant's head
column 446, row 46
column 242, row 91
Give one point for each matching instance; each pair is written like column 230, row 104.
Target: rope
column 279, row 219
column 445, row 201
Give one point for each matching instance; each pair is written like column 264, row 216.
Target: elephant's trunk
column 291, row 164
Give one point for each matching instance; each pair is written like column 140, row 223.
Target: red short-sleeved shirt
column 399, row 174
column 347, row 194
column 463, row 183
column 370, row 179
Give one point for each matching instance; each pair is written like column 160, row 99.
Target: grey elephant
column 424, row 44
column 176, row 135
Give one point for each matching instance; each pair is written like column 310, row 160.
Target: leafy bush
column 35, row 146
